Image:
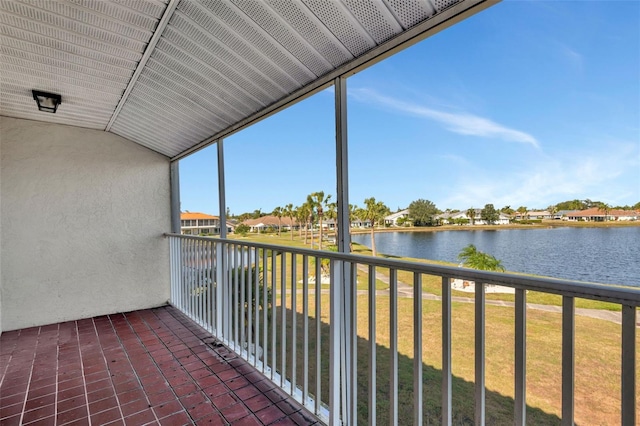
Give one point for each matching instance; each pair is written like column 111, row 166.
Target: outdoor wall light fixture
column 47, row 102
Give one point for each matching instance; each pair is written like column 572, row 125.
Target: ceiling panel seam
column 251, row 86
column 207, row 77
column 320, row 64
column 18, row 36
column 157, row 100
column 17, row 97
column 195, row 96
column 196, row 89
column 376, row 18
column 211, row 39
column 68, row 81
column 181, row 120
column 49, row 31
column 332, row 9
column 261, row 42
column 219, row 28
column 308, row 24
column 71, row 27
column 240, row 92
column 65, row 10
column 155, row 136
column 124, row 129
column 164, row 21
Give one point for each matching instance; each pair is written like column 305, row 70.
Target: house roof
column 270, row 220
column 177, row 75
column 196, row 215
column 595, row 211
column 401, row 213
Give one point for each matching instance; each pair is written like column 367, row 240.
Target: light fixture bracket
column 47, row 102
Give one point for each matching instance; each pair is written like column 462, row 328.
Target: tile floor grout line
column 159, row 369
column 26, row 392
column 106, row 364
column 126, row 353
column 84, row 380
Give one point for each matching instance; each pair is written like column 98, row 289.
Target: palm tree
column 317, row 200
column 332, row 213
column 290, row 213
column 522, row 210
column 373, row 212
column 302, row 215
column 471, row 257
column 471, row 214
column 277, row 212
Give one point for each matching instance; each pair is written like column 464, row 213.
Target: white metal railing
column 265, row 302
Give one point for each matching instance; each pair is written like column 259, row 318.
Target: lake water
column 603, row 255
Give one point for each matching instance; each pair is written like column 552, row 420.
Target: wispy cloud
column 549, row 180
column 461, row 123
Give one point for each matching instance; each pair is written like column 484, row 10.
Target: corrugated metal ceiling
column 211, row 66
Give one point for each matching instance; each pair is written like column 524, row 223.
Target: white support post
column 222, row 202
column 174, row 178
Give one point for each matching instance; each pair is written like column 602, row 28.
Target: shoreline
column 543, row 225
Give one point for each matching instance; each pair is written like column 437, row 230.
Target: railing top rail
column 603, row 292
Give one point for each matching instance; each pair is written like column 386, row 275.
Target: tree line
column 319, row 206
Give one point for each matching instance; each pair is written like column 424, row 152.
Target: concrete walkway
column 405, row 290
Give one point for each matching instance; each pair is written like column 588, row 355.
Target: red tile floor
column 143, row 367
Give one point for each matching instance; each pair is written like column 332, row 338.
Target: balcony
column 106, row 319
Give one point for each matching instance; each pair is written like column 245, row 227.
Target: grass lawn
column 597, row 382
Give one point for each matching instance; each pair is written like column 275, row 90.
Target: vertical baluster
column 283, row 317
column 372, row 346
column 446, row 352
column 210, row 289
column 353, row 306
column 265, row 308
column 274, row 318
column 480, row 353
column 417, row 348
column 393, row 346
column 337, row 369
column 628, row 365
column 305, row 328
column 256, row 283
column 294, row 331
column 200, row 283
column 235, row 304
column 568, row 343
column 521, row 358
column 318, row 335
column 191, row 279
column 243, row 299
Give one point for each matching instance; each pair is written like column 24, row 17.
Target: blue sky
column 527, row 103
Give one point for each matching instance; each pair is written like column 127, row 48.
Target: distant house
column 448, row 218
column 262, row 223
column 358, row 223
column 535, row 214
column 392, row 219
column 195, row 223
column 596, row 214
column 564, row 214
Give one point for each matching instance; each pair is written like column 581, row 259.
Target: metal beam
column 429, row 27
column 342, row 165
column 162, row 24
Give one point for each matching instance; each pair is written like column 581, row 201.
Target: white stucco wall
column 81, row 223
